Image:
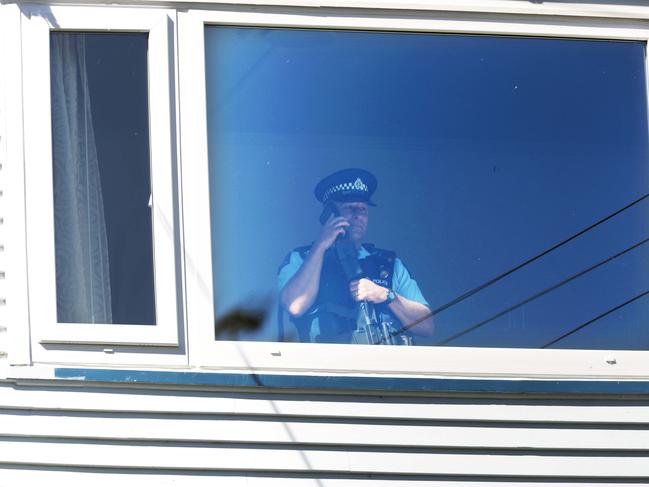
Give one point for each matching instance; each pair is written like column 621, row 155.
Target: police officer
column 316, row 293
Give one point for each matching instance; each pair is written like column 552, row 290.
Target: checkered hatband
column 356, row 186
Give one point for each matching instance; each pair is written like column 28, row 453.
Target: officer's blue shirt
column 402, row 282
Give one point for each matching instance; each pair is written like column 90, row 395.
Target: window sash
column 334, row 358
column 37, row 23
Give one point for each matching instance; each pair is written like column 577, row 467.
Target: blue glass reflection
column 488, row 150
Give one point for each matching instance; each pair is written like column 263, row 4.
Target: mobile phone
column 328, row 210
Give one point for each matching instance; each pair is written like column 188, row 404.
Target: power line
column 598, row 317
column 542, row 293
column 494, row 280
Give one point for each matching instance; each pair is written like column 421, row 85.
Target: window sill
column 332, row 384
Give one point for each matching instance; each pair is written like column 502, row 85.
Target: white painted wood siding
column 3, row 152
column 108, row 435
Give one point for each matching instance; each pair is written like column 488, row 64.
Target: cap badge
column 359, row 185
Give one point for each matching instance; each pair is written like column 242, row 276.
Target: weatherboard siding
column 3, row 163
column 162, row 436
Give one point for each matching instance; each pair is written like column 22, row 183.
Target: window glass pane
column 512, row 185
column 102, row 191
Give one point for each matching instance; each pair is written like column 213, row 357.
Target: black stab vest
column 334, row 307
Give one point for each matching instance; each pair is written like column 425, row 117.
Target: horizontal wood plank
column 317, row 433
column 179, row 402
column 207, row 458
column 104, row 478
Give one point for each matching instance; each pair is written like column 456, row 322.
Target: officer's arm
column 409, row 306
column 409, row 312
column 301, row 290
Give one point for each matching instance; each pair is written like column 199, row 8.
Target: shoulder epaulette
column 300, row 250
column 303, row 251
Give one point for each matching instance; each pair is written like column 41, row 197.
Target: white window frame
column 37, row 22
column 207, row 353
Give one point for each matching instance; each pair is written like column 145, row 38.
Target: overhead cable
column 523, row 264
column 542, row 293
column 598, row 317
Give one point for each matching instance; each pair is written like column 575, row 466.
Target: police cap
column 347, row 185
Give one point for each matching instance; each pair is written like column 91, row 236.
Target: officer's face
column 356, row 213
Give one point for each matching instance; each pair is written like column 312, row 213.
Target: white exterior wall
column 3, row 153
column 105, row 436
column 71, row 432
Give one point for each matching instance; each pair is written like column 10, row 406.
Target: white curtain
column 82, row 271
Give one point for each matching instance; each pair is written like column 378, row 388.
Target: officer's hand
column 366, row 290
column 334, row 226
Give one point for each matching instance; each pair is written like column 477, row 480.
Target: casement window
column 99, row 172
column 510, row 152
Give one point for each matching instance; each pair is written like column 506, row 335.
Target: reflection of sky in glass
column 488, row 150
